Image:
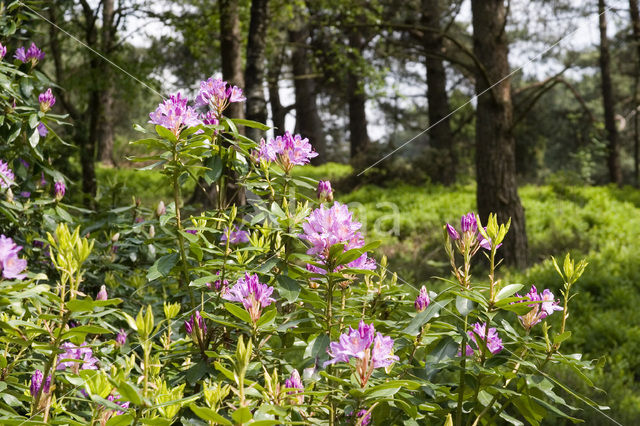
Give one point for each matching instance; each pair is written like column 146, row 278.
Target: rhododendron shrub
column 277, row 311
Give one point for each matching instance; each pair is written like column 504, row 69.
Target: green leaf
column 162, row 266
column 288, row 288
column 238, row 312
column 464, row 305
column 214, row 164
column 421, row 318
column 242, row 415
column 129, row 392
column 251, row 123
column 507, row 291
column 559, row 338
column 267, row 317
column 123, row 419
column 208, row 414
column 196, row 251
column 165, row 133
column 34, row 138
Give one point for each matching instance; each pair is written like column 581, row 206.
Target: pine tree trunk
column 278, row 112
column 105, row 123
column 615, row 172
column 497, row 189
column 635, row 21
column 308, row 122
column 356, row 99
column 254, row 70
column 440, row 135
column 230, row 46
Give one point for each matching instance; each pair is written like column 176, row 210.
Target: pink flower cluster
column 422, row 301
column 217, row 95
column 36, row 383
column 11, row 265
column 236, row 236
column 370, row 350
column 294, row 382
column 253, row 295
column 326, row 227
column 73, row 353
column 32, row 54
column 190, row 325
column 6, row 175
column 469, row 231
column 47, row 100
column 287, row 150
column 546, row 306
column 175, row 115
column 491, row 338
column 325, row 192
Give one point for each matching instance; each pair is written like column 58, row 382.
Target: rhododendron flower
column 60, row 189
column 47, row 100
column 236, row 236
column 287, row 150
column 325, row 193
column 422, row 301
column 370, row 350
column 36, row 383
column 218, row 285
column 468, row 223
column 294, row 382
column 215, row 93
column 453, row 234
column 3, row 51
column 491, row 339
column 6, row 175
column 73, row 353
column 252, row 294
column 123, row 405
column 189, row 325
column 32, row 54
column 175, row 115
column 25, row 194
column 326, row 227
column 485, row 243
column 539, row 311
column 121, row 338
column 210, row 118
column 161, row 209
column 365, row 415
column 12, row 265
column 102, row 294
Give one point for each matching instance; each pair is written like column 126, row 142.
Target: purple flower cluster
column 47, row 100
column 422, row 301
column 217, row 95
column 326, row 227
column 60, row 189
column 370, row 350
column 469, row 231
column 236, row 236
column 325, row 193
column 12, row 266
column 123, row 405
column 253, row 295
column 287, row 150
column 545, row 305
column 36, row 383
column 491, row 338
column 219, row 285
column 294, row 382
column 32, row 54
column 121, row 337
column 6, row 175
column 189, row 326
column 365, row 415
column 175, row 115
column 73, row 353
column 3, row 51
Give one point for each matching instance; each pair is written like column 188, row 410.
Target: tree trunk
column 308, row 122
column 105, row 124
column 615, row 173
column 440, row 135
column 497, row 189
column 356, row 99
column 635, row 21
column 254, row 70
column 230, row 44
column 278, row 112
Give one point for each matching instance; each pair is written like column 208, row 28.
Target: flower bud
column 36, row 383
column 115, row 237
column 161, row 209
column 422, row 301
column 152, row 231
column 453, row 234
column 102, row 294
column 468, row 223
column 121, row 338
column 60, row 189
column 47, row 100
column 325, row 193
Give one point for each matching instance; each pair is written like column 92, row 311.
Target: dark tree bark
column 230, row 44
column 356, row 99
column 440, row 135
column 278, row 112
column 308, row 122
column 635, row 25
column 105, row 124
column 615, row 172
column 254, row 70
column 497, row 189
